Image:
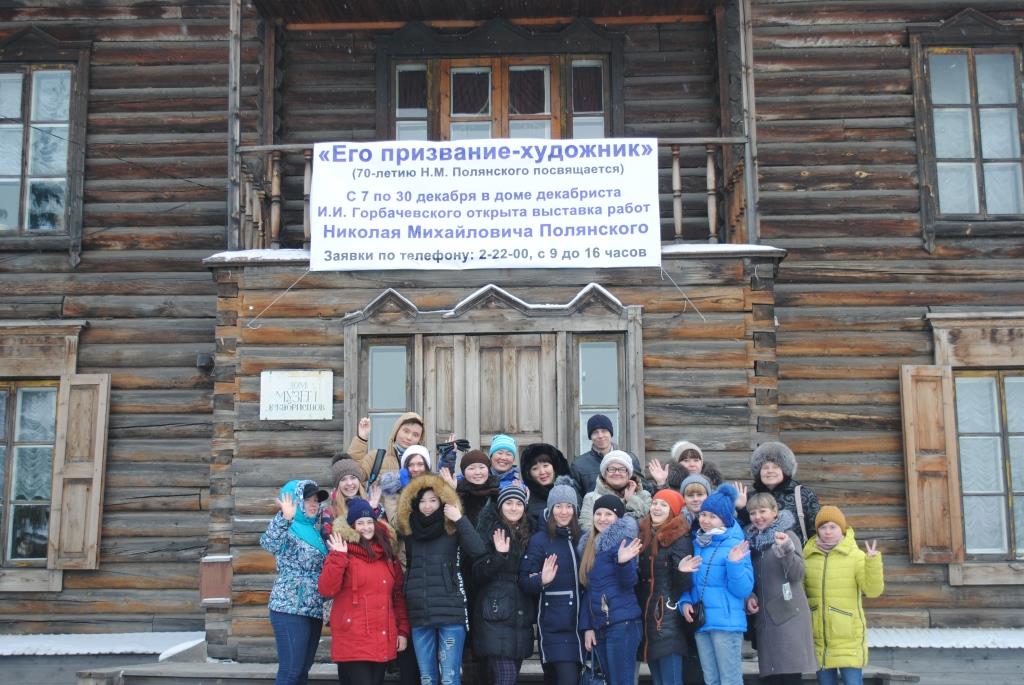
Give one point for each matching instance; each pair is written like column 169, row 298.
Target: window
column 387, row 390
column 42, row 126
column 28, row 428
column 970, row 110
column 599, row 382
column 990, row 437
column 499, row 81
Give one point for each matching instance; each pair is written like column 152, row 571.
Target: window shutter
column 934, row 511
column 79, row 465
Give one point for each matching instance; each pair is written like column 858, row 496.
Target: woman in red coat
column 363, row 575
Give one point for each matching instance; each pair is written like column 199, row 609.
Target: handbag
column 698, row 614
column 592, row 673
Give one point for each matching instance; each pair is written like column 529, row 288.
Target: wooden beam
column 471, row 23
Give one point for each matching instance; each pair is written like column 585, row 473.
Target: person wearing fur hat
column 617, row 478
column 550, row 572
column 436, row 533
column 838, row 576
column 781, row 616
column 363, row 577
column 541, row 464
column 502, row 612
column 296, row 608
column 773, row 466
column 406, row 431
column 665, row 534
column 610, row 614
column 723, row 579
column 586, row 467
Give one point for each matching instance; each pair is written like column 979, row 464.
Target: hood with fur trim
column 624, row 529
column 428, row 481
column 407, row 416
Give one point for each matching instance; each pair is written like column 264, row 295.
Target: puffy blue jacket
column 558, row 604
column 727, row 586
column 610, row 595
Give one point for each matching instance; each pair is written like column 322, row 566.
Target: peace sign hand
column 872, row 548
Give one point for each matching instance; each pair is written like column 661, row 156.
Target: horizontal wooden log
column 669, row 383
column 183, row 450
column 833, row 154
column 161, row 401
column 870, row 343
column 920, row 294
column 128, row 474
column 143, row 355
column 824, row 368
column 163, row 498
column 161, row 524
column 169, row 576
column 828, row 59
column 832, row 130
column 167, row 378
column 830, row 417
column 853, row 319
column 152, row 549
column 862, row 178
column 167, row 426
column 845, row 202
column 255, row 444
column 201, row 237
column 839, row 392
column 54, row 623
column 830, row 442
column 31, row 307
column 80, row 602
column 681, row 413
column 794, row 84
column 247, row 418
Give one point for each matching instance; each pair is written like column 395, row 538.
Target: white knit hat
column 617, row 457
column 413, row 450
column 682, row 446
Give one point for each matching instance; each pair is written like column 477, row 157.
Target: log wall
column 839, row 189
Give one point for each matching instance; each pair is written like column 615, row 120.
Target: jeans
column 850, row 676
column 439, row 653
column 297, row 638
column 668, row 670
column 616, row 650
column 721, row 657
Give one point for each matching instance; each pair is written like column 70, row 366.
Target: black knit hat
column 599, row 421
column 610, row 502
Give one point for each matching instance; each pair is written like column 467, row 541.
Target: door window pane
column 985, row 525
column 28, row 533
column 954, row 135
column 529, row 128
column 1014, row 388
column 51, row 95
column 48, row 151
column 381, row 424
column 529, row 90
column 948, row 75
column 31, row 473
column 10, row 198
column 958, row 188
column 10, row 150
column 999, row 135
column 995, row 78
column 471, row 91
column 588, row 127
column 10, row 96
column 470, row 130
column 1017, row 467
column 599, row 373
column 587, row 86
column 411, row 130
column 46, row 205
column 612, row 414
column 981, row 465
column 36, row 415
column 1018, row 522
column 411, row 87
column 387, row 377
column 1004, row 193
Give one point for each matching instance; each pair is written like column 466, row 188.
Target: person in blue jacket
column 296, row 607
column 611, row 615
column 723, row 579
column 550, row 570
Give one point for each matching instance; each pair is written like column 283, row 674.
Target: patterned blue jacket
column 298, row 570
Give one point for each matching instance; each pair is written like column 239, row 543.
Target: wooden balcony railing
column 704, row 171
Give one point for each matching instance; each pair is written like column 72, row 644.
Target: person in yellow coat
column 837, row 575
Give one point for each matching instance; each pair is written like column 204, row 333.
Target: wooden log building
column 842, row 247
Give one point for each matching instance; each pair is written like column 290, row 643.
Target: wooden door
column 479, row 385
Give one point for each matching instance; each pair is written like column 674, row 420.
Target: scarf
column 426, row 528
column 763, row 539
column 486, row 489
column 705, row 539
column 824, row 546
column 303, row 527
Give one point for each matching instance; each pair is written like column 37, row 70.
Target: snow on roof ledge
column 947, row 638
column 695, row 249
column 163, row 643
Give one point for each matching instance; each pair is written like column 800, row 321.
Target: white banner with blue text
column 485, row 204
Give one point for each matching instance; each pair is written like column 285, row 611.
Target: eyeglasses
column 616, row 469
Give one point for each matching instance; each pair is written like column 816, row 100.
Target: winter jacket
column 586, row 468
column 610, row 594
column 435, row 591
column 558, row 603
column 502, row 611
column 298, row 569
column 637, row 505
column 539, row 493
column 359, row 451
column 834, row 583
column 784, row 643
column 368, row 612
column 785, row 496
column 723, row 585
column 475, row 497
column 661, row 584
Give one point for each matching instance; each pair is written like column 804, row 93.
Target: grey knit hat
column 699, row 480
column 563, row 491
column 777, row 453
column 344, row 465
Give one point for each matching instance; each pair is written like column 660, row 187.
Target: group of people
column 591, row 563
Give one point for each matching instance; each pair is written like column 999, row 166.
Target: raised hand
column 741, row 494
column 336, row 543
column 548, row 571
column 739, row 551
column 752, row 607
column 630, row 551
column 871, row 548
column 781, row 538
column 658, row 471
column 447, row 477
column 452, row 513
column 375, row 493
column 501, row 541
column 689, row 564
column 288, row 506
column 631, row 487
column 363, row 429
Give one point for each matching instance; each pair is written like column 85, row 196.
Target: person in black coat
column 665, row 534
column 541, row 464
column 550, row 570
column 502, row 611
column 436, row 533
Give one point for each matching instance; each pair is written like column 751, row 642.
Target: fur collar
column 624, row 529
column 428, row 481
column 668, row 533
